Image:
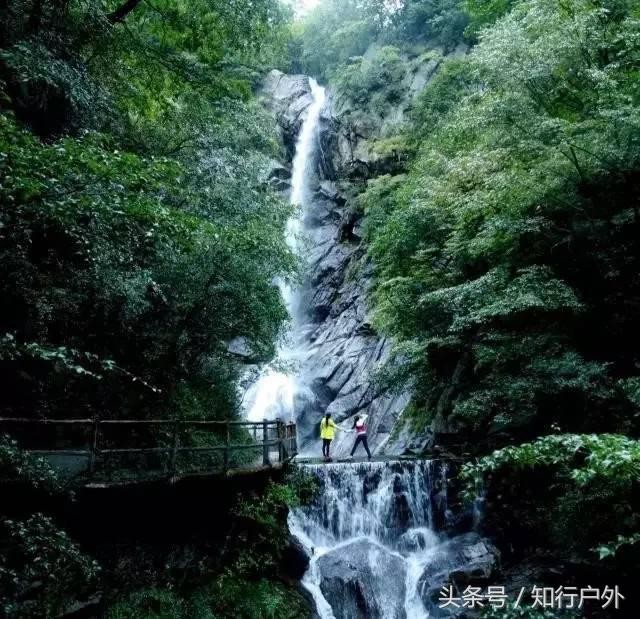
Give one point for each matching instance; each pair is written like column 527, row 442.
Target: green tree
column 502, row 257
column 140, row 238
column 483, row 13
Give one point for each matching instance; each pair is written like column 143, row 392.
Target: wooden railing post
column 265, row 443
column 287, row 434
column 176, row 443
column 94, row 445
column 226, row 447
column 293, row 438
column 281, row 447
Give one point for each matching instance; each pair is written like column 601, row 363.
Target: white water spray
column 273, row 394
column 371, row 529
column 384, row 507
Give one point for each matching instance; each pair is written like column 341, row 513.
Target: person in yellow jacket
column 328, row 429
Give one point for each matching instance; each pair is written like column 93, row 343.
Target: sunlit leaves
column 489, row 237
column 610, row 549
column 583, row 459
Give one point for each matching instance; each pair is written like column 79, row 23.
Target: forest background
column 138, row 238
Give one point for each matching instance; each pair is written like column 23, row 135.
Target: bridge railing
column 233, row 444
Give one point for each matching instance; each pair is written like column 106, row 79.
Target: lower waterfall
column 370, row 534
column 374, row 534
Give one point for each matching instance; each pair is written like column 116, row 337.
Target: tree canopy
column 506, row 261
column 338, row 30
column 138, row 237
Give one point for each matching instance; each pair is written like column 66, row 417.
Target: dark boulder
column 364, row 580
column 295, row 559
column 462, row 561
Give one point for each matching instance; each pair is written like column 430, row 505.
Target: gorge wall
column 345, row 352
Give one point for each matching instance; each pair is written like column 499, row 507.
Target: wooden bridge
column 129, row 450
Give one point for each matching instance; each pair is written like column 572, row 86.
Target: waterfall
column 274, row 393
column 358, row 500
column 370, row 534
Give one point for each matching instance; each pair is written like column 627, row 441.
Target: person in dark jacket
column 360, row 428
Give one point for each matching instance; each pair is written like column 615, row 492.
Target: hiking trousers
column 361, row 438
column 326, row 443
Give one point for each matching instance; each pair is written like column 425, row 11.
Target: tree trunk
column 120, row 14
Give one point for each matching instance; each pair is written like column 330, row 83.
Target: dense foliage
column 138, row 238
column 507, row 259
column 591, row 492
column 41, row 569
column 483, row 13
column 247, row 586
column 367, row 78
column 227, row 597
column 338, row 31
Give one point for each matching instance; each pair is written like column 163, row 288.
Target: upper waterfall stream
column 273, row 394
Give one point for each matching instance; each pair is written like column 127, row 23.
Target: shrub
column 41, row 569
column 17, row 465
column 373, row 82
column 590, row 500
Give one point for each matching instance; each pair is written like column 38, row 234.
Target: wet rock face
column 345, row 352
column 416, row 540
column 288, row 96
column 465, row 560
column 354, row 579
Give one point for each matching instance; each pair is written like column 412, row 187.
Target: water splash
column 273, row 395
column 380, row 500
column 389, row 505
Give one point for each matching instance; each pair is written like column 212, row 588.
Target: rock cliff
column 345, row 351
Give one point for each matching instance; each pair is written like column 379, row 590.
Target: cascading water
column 371, row 534
column 273, row 394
